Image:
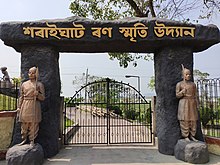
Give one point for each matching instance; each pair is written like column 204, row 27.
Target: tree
column 151, row 84
column 170, row 9
column 197, row 74
column 84, row 79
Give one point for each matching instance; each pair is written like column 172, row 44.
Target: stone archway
column 172, row 43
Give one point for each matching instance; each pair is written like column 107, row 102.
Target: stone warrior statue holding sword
column 29, row 108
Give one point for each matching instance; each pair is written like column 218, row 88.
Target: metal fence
column 209, row 106
column 8, row 95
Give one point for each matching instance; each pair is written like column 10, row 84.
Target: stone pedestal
column 192, row 152
column 25, row 155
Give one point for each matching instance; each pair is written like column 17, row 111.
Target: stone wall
column 213, row 144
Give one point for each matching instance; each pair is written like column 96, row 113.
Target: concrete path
column 115, row 155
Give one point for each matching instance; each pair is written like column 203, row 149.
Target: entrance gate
column 107, row 112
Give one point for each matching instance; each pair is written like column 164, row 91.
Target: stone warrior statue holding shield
column 29, row 108
column 188, row 105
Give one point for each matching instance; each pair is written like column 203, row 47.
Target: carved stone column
column 167, row 64
column 46, row 59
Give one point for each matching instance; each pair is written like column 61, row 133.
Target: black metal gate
column 107, row 112
column 209, row 106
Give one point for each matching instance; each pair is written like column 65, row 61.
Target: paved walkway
column 115, row 155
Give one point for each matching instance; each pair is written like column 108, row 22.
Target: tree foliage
column 197, row 75
column 181, row 10
column 84, row 79
column 151, row 83
column 171, row 9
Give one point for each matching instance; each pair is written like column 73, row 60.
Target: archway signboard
column 172, row 43
column 140, row 35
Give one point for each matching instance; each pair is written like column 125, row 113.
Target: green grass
column 212, row 132
column 7, row 103
column 68, row 122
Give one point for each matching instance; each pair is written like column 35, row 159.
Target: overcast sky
column 71, row 64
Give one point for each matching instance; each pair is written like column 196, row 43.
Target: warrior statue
column 29, row 108
column 188, row 106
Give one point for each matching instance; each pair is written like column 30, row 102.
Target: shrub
column 116, row 110
column 131, row 114
column 206, row 115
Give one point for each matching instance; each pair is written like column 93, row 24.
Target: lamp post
column 138, row 77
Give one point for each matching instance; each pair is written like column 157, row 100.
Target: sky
column 72, row 64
